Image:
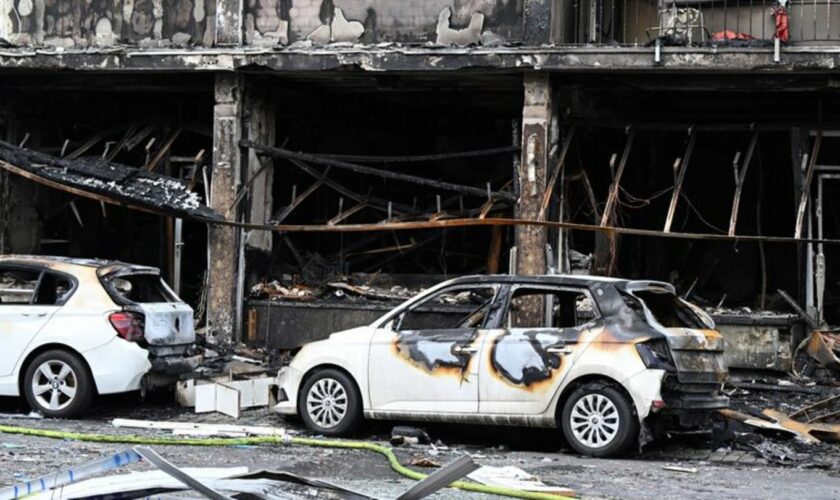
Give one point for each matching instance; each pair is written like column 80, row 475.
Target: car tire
column 329, row 403
column 58, row 384
column 598, row 420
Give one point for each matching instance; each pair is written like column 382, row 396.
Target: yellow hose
column 299, row 441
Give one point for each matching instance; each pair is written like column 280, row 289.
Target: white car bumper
column 118, row 366
column 645, row 387
column 288, row 382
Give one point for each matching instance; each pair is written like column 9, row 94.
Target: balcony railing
column 697, row 22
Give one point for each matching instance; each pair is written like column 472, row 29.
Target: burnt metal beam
column 682, row 165
column 806, row 186
column 740, row 176
column 612, row 198
column 561, row 161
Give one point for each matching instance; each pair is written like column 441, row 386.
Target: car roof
column 68, row 263
column 556, row 279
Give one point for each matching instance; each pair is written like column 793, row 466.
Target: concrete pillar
column 532, row 172
column 223, row 240
column 260, row 127
column 229, row 31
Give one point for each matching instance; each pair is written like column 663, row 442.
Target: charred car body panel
column 498, row 363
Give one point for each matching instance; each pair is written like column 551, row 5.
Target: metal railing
column 696, row 22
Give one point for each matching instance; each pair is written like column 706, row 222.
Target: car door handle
column 34, row 315
column 464, row 349
column 559, row 350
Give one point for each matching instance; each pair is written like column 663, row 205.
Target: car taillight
column 128, row 325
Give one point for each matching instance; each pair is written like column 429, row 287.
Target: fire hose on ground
column 275, row 440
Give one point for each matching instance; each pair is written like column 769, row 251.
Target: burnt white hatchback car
column 601, row 359
column 75, row 328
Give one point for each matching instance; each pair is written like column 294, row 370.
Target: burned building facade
column 686, row 141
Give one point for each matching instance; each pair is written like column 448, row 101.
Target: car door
column 525, row 362
column 425, row 359
column 27, row 302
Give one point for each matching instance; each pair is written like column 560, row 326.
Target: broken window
column 17, row 286
column 141, row 289
column 665, row 307
column 463, row 307
column 53, row 289
column 550, row 308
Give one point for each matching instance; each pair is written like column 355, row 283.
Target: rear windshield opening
column 667, row 309
column 140, row 289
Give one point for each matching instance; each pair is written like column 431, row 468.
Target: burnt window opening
column 665, row 307
column 140, row 289
column 31, row 287
column 453, row 308
column 17, row 286
column 52, row 290
column 541, row 308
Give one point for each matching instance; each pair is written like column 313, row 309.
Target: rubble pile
column 291, row 289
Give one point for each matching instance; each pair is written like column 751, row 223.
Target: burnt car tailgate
column 168, row 323
column 698, row 356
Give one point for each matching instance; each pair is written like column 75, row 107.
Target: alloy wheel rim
column 54, row 385
column 326, row 402
column 594, row 420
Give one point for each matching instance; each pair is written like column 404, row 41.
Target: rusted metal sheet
column 823, row 347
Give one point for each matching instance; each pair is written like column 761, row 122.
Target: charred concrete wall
column 75, row 23
column 448, row 22
column 82, row 23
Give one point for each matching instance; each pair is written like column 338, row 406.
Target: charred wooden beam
column 424, row 158
column 360, row 169
column 374, row 202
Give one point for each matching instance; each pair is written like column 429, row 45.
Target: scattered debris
column 424, row 462
column 675, row 468
column 403, row 434
column 199, row 429
column 516, row 478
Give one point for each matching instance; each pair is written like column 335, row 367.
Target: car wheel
column 57, row 384
column 598, row 420
column 329, row 403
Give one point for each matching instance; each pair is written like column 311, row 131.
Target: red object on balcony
column 782, row 23
column 731, row 35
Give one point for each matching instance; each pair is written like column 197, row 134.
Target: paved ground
column 722, row 471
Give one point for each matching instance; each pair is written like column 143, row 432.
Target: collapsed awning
column 109, row 182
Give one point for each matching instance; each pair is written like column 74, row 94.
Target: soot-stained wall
column 75, row 23
column 82, row 23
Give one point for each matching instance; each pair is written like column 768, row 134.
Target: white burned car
column 75, row 328
column 599, row 358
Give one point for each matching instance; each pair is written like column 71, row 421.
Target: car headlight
column 656, row 354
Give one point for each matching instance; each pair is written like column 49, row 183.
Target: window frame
column 391, row 321
column 514, row 287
